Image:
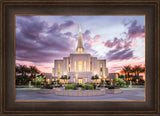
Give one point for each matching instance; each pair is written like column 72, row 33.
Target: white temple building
column 80, row 66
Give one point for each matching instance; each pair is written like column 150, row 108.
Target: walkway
column 135, row 94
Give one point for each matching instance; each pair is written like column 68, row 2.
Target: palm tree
column 138, row 69
column 92, row 78
column 96, row 77
column 33, row 71
column 142, row 70
column 127, row 70
column 62, row 77
column 22, row 70
column 42, row 74
column 17, row 69
column 65, row 78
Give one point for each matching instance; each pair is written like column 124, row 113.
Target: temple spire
column 80, row 44
column 80, row 49
column 79, row 28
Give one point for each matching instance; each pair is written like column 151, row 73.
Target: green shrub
column 87, row 87
column 74, row 87
column 125, row 86
column 60, row 84
column 94, row 86
column 83, row 86
column 69, row 86
column 119, row 82
column 90, row 87
column 57, row 86
column 77, row 84
column 47, row 87
column 113, row 87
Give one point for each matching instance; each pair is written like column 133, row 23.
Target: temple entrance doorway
column 80, row 81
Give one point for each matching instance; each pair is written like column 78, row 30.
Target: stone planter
column 113, row 91
column 80, row 92
column 47, row 91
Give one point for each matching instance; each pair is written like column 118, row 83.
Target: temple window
column 85, row 80
column 58, row 69
column 84, row 66
column 74, row 79
column 80, row 66
column 75, row 66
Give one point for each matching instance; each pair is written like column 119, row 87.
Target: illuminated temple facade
column 80, row 66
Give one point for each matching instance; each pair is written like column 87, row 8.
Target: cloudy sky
column 118, row 39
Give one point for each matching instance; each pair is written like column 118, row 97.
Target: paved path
column 135, row 94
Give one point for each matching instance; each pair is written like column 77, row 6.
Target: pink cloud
column 116, row 66
column 139, row 35
column 43, row 67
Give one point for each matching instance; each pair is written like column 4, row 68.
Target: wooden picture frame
column 10, row 8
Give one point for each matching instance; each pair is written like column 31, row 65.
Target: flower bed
column 77, row 86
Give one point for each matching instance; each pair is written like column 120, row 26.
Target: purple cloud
column 54, row 28
column 67, row 24
column 57, row 28
column 134, row 30
column 122, row 47
column 86, row 35
column 119, row 55
column 118, row 43
column 37, row 42
column 87, row 46
column 69, row 34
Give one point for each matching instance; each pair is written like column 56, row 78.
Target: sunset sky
column 118, row 39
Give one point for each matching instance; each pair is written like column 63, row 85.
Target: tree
column 141, row 81
column 138, row 69
column 33, row 71
column 92, row 78
column 43, row 76
column 23, row 70
column 127, row 70
column 102, row 81
column 17, row 69
column 142, row 70
column 107, row 82
column 65, row 78
column 39, row 79
column 96, row 77
column 119, row 82
column 18, row 77
column 21, row 75
column 62, row 77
